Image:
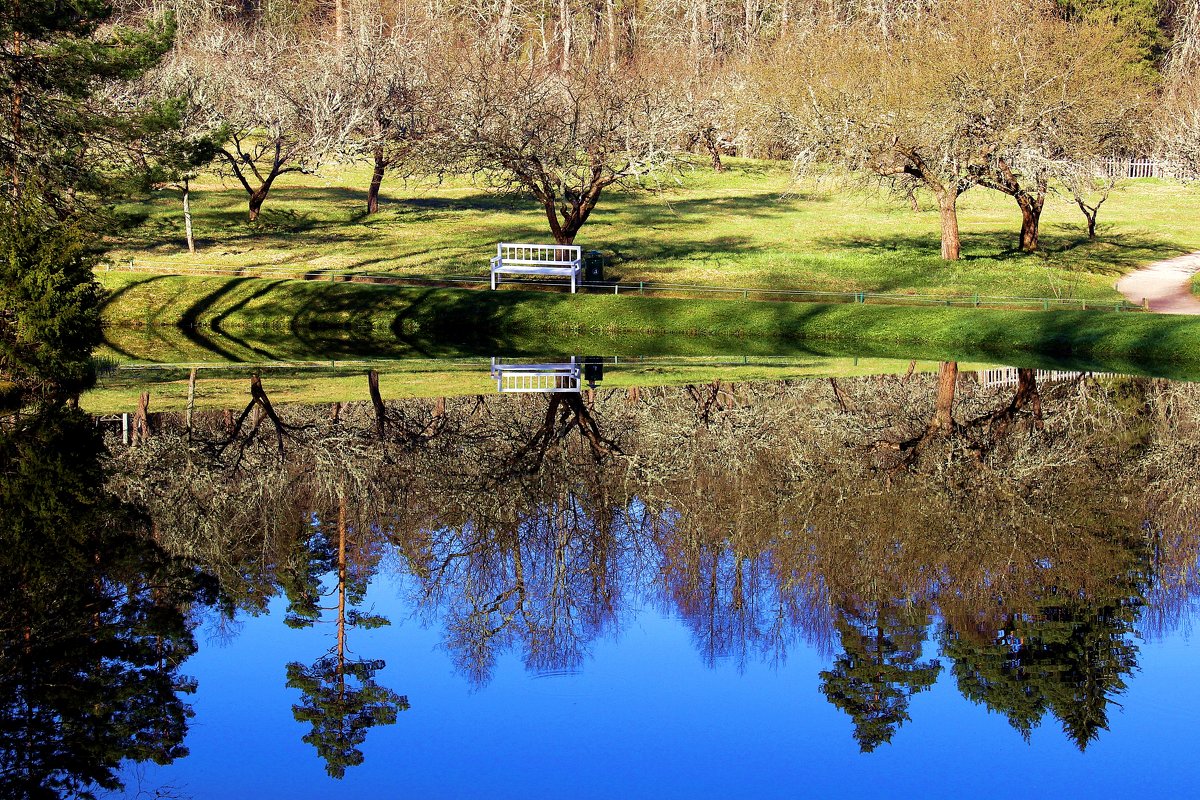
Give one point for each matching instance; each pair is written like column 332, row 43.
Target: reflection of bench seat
column 562, row 377
column 562, row 260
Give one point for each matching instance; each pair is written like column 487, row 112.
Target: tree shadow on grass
column 756, row 206
column 1110, row 256
column 112, row 296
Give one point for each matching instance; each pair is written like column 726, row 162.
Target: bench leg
column 572, row 283
column 494, row 276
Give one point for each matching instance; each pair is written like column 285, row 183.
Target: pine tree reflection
column 879, row 667
column 341, row 697
column 93, row 619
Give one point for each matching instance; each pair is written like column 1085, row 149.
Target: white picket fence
column 1139, row 167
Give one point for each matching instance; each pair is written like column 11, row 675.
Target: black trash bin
column 593, row 266
column 593, row 370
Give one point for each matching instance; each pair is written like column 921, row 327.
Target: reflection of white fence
column 532, row 378
column 1009, row 376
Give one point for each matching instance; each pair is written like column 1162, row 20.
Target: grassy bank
column 747, row 227
column 344, row 318
column 227, row 386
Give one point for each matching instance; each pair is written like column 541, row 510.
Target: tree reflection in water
column 93, row 618
column 1036, row 529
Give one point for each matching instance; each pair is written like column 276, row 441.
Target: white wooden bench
column 565, row 260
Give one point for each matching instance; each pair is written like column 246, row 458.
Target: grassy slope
column 747, row 227
column 286, row 317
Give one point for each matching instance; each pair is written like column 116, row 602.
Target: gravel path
column 1166, row 286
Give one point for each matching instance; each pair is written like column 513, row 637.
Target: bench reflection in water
column 547, row 377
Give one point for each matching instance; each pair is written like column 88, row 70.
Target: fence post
column 616, row 288
column 1045, row 304
column 641, row 287
column 977, row 301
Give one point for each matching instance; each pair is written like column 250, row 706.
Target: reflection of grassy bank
column 296, row 319
column 227, row 386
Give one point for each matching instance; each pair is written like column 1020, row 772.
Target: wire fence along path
column 677, row 290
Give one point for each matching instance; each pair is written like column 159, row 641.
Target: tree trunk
column 714, row 151
column 943, row 417
column 565, row 32
column 504, row 26
column 1090, row 215
column 187, row 216
column 377, row 403
column 948, row 208
column 141, row 420
column 376, row 182
column 257, row 197
column 341, row 590
column 1031, row 216
column 17, row 100
column 1028, row 396
column 191, row 400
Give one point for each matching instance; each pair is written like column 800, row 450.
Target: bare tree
column 285, row 105
column 1089, row 184
column 561, row 138
column 978, row 93
column 399, row 85
column 1055, row 110
column 1178, row 122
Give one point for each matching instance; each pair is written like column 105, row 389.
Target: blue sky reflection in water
column 644, row 717
column 761, row 589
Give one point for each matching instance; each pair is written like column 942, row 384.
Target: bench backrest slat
column 536, row 253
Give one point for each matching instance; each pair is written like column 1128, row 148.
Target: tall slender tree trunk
column 504, row 27
column 191, row 401
column 610, row 20
column 17, row 99
column 948, row 209
column 376, row 181
column 187, row 216
column 565, row 25
column 341, row 603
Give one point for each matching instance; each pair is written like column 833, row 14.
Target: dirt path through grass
column 1165, row 286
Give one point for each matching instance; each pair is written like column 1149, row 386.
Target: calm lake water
column 935, row 585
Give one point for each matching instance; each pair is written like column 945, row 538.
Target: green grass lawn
column 749, row 227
